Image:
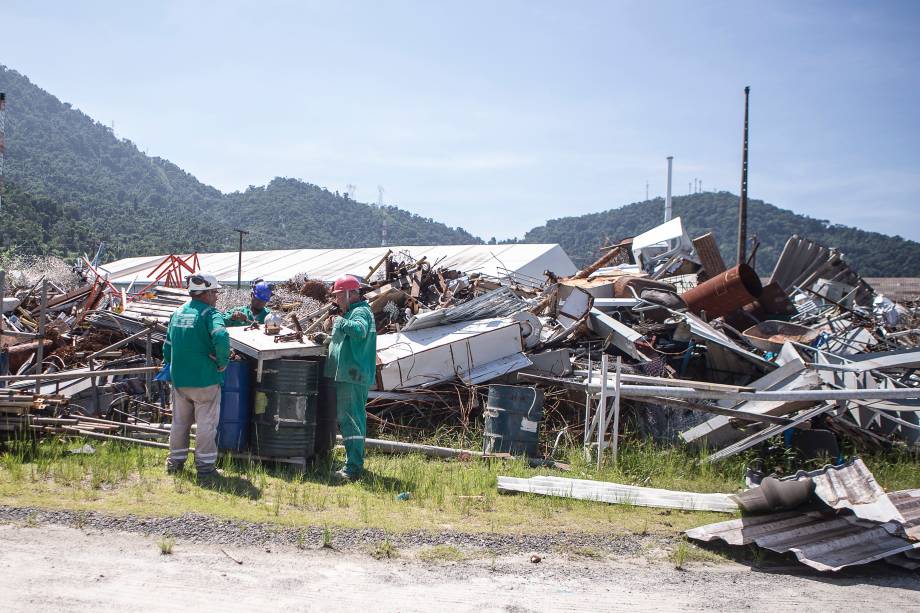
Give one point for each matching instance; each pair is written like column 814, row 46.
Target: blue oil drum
column 235, row 406
column 512, row 420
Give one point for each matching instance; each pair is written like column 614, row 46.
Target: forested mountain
column 72, row 183
column 871, row 253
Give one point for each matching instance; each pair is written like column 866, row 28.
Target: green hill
column 871, row 253
column 70, row 184
column 83, row 185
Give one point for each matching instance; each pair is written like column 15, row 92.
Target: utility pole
column 742, row 205
column 239, row 265
column 667, row 201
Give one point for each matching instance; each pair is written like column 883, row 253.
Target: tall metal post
column 742, row 205
column 2, row 141
column 3, row 358
column 667, row 200
column 239, row 265
column 40, row 350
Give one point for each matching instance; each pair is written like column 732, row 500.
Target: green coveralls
column 352, row 363
column 197, row 348
column 250, row 317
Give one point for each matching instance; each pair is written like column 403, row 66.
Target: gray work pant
column 200, row 405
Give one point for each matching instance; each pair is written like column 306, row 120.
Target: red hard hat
column 346, row 283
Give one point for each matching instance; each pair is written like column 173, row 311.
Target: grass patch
column 384, row 550
column 445, row 494
column 589, row 553
column 166, row 545
column 686, row 552
column 441, row 554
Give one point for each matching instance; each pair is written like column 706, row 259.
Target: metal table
column 256, row 344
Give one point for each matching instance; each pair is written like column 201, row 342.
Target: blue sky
column 496, row 116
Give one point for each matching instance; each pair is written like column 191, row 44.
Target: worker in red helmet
column 352, row 363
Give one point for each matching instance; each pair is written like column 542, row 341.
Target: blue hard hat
column 262, row 291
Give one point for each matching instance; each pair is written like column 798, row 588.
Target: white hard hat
column 202, row 282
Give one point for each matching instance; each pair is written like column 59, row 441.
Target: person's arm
column 221, row 339
column 235, row 317
column 356, row 328
column 167, row 345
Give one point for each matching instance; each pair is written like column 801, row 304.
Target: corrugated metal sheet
column 616, row 493
column 851, row 486
column 908, row 504
column 825, row 541
column 327, row 264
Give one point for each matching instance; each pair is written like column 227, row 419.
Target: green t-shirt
column 250, row 317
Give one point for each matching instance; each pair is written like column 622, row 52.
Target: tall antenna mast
column 742, row 205
column 646, row 191
column 667, row 201
column 2, row 141
column 350, row 190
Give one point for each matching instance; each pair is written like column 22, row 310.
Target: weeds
column 441, row 554
column 327, row 537
column 384, row 549
column 446, row 494
column 301, row 540
column 679, row 555
column 166, row 545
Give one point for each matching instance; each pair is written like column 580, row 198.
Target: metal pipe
column 40, row 350
column 724, row 293
column 66, row 376
column 239, row 265
column 602, row 410
column 616, row 408
column 647, row 391
column 3, row 362
column 667, row 200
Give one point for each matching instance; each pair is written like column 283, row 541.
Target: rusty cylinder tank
column 724, row 293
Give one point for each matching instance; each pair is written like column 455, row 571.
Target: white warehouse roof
column 327, row 264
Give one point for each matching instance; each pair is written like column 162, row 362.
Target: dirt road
column 56, row 568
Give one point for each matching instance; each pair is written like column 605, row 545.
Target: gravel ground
column 51, row 568
column 210, row 530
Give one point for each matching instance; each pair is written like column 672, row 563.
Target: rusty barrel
column 725, row 292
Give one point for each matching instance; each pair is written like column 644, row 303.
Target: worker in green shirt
column 255, row 312
column 352, row 363
column 197, row 350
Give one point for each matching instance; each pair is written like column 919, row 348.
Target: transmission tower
column 350, row 190
column 379, row 195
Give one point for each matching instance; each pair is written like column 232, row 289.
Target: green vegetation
column 166, row 545
column 446, row 495
column 73, row 184
column 869, row 252
column 441, row 554
column 384, row 550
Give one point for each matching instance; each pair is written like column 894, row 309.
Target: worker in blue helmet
column 255, row 312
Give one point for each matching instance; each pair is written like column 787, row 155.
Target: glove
column 165, row 374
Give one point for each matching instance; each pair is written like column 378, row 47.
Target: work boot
column 343, row 476
column 174, row 469
column 209, row 475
